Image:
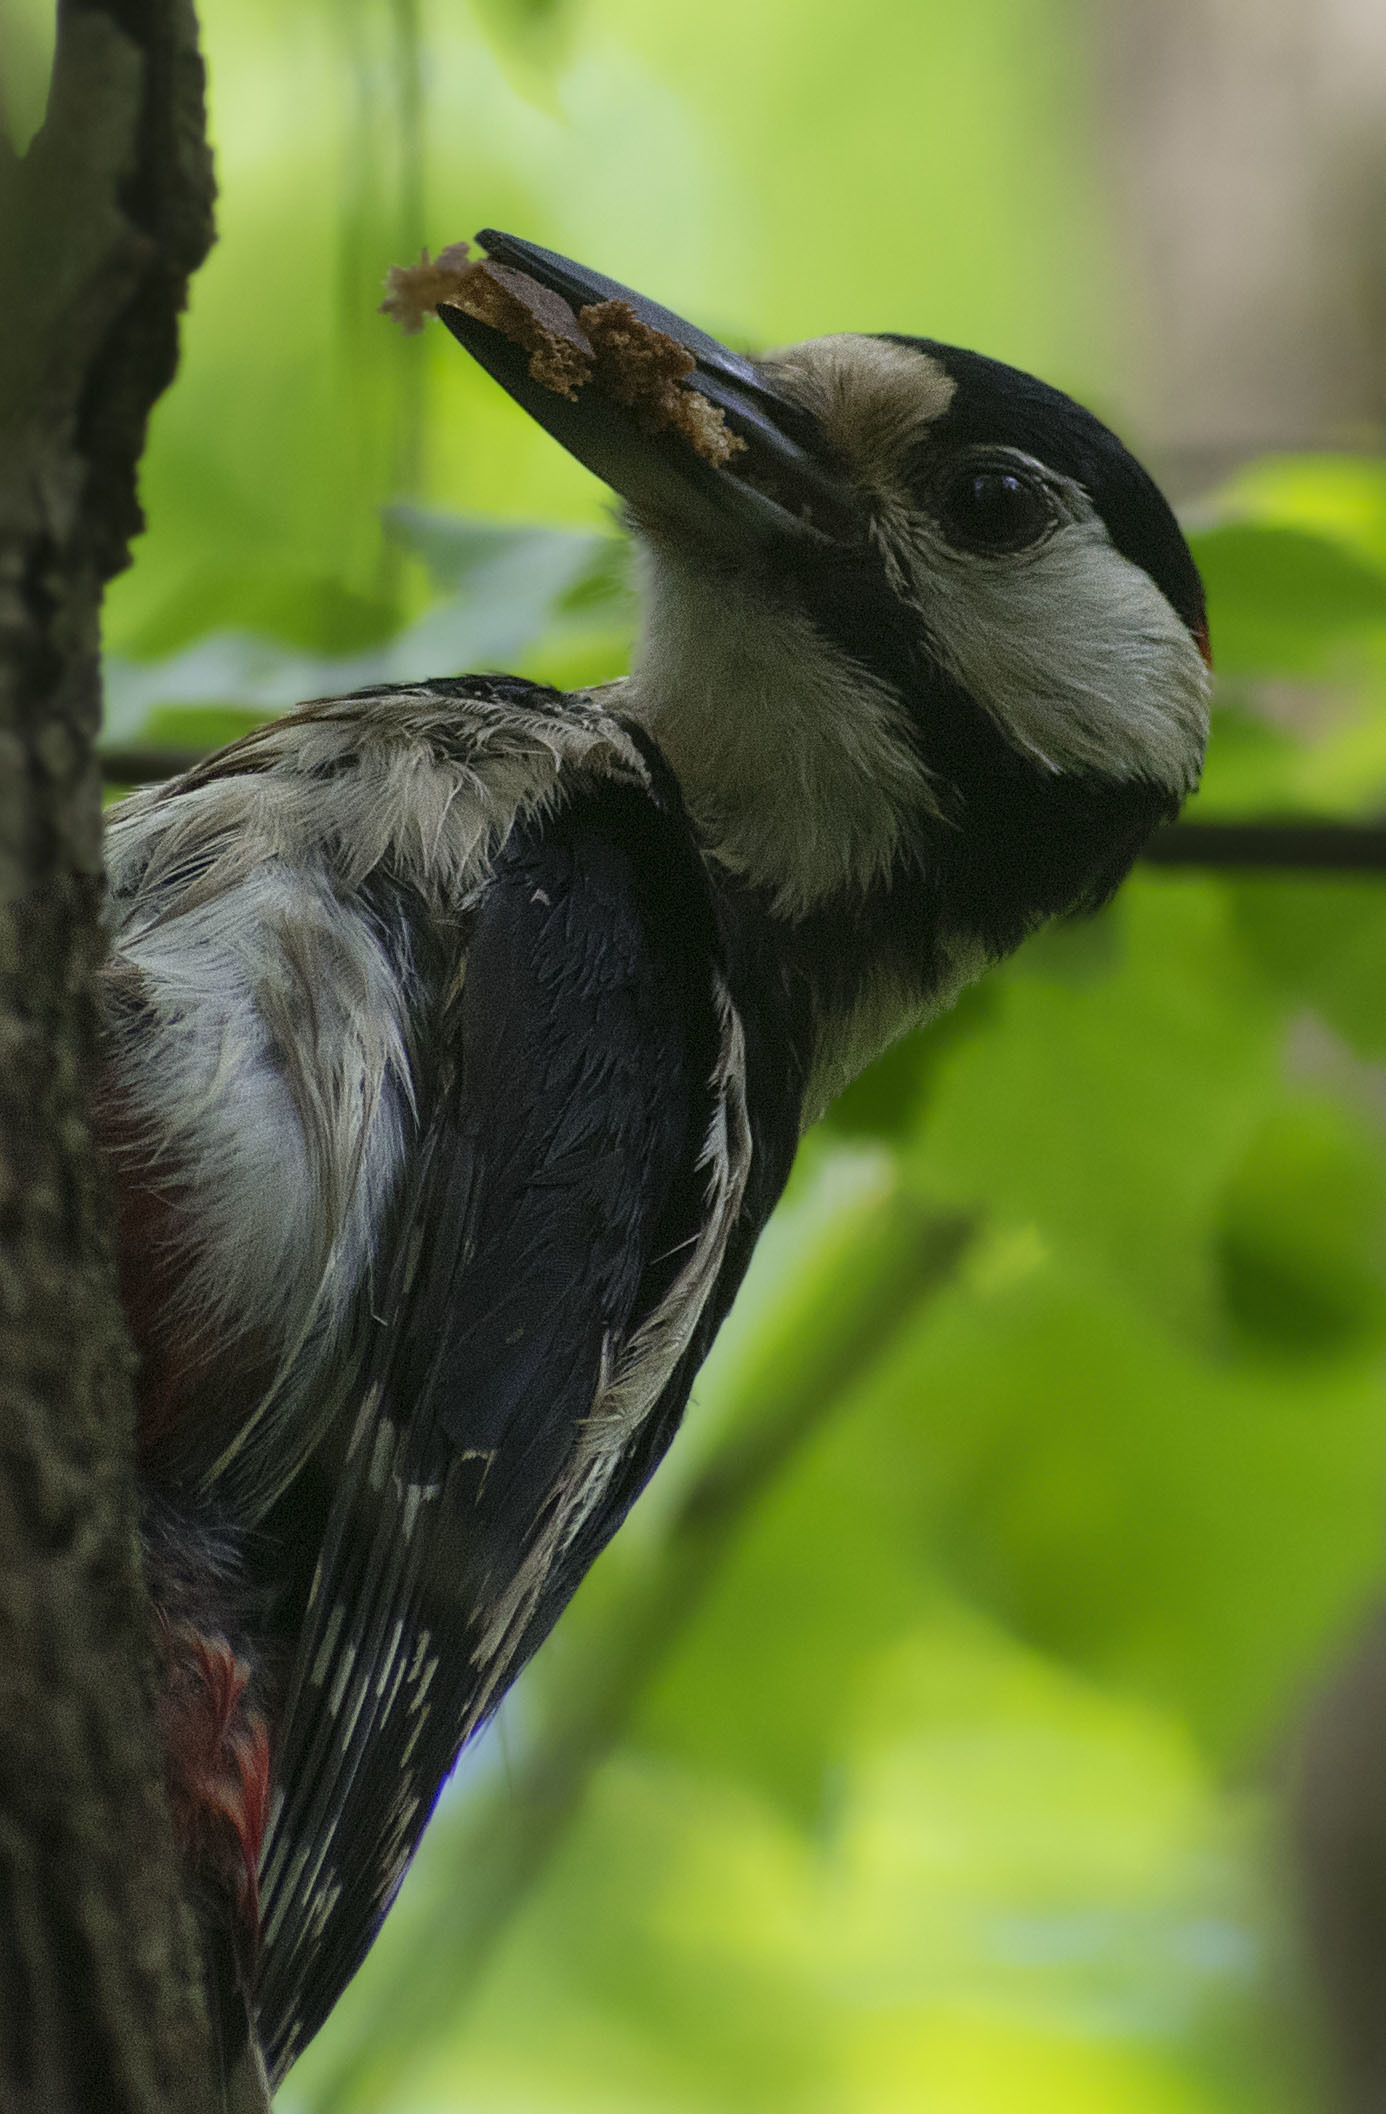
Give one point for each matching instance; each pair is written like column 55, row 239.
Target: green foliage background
column 917, row 1744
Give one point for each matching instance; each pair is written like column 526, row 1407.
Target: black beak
column 775, row 488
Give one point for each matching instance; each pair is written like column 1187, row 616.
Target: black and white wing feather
column 267, row 1022
column 578, row 1171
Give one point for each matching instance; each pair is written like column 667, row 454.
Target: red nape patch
column 1203, row 642
column 217, row 1764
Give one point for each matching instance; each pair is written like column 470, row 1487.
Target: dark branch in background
column 488, row 1852
column 129, row 767
column 1302, row 847
column 101, row 223
column 1306, row 847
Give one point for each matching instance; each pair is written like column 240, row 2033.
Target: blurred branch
column 1310, row 847
column 128, row 767
column 874, row 1272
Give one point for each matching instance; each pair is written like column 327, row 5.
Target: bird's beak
column 764, row 481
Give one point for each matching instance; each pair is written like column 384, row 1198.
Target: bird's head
column 915, row 627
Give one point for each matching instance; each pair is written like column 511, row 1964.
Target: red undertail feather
column 217, row 1756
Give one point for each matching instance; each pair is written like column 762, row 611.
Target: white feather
column 259, row 1024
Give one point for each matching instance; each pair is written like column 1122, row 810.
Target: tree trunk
column 1247, row 154
column 100, row 225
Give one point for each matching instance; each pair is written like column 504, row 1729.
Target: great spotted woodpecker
column 460, row 1035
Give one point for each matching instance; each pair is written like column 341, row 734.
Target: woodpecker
column 459, row 1036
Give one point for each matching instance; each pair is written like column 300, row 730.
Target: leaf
column 889, row 1098
column 27, row 30
column 1319, row 943
column 1302, row 1235
column 536, row 33
column 503, row 590
column 1105, row 1110
column 1281, row 600
column 467, row 554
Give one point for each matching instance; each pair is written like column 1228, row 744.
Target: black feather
column 554, row 1186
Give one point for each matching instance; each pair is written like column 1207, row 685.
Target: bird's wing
column 260, row 1081
column 579, row 1168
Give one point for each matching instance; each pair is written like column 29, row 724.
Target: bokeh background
column 928, row 1739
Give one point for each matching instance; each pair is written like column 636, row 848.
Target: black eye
column 995, row 510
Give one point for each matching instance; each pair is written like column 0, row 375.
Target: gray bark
column 100, row 225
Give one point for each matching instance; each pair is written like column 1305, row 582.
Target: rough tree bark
column 100, row 225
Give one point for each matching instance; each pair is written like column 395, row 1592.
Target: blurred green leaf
column 478, row 557
column 1318, row 942
column 310, row 612
column 27, row 30
column 1302, row 1240
column 1281, row 600
column 1339, row 496
column 889, row 1099
column 1253, row 768
column 536, row 33
column 1106, row 1110
column 507, row 594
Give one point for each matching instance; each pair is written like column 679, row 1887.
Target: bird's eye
column 994, row 510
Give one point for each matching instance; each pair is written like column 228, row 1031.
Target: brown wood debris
column 605, row 344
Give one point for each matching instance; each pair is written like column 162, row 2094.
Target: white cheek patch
column 1071, row 649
